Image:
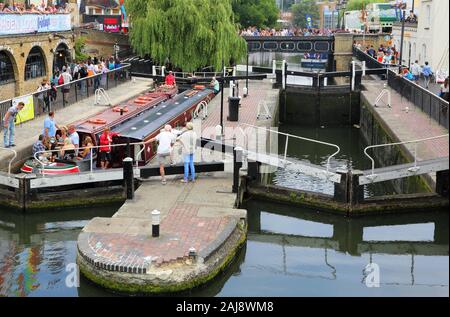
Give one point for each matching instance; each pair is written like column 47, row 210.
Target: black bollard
column 128, row 177
column 155, row 223
column 237, row 164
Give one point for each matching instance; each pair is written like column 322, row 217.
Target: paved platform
column 408, row 126
column 27, row 133
column 259, row 91
column 120, row 252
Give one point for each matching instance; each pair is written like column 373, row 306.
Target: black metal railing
column 77, row 90
column 433, row 105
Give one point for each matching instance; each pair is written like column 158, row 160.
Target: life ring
column 140, row 102
column 199, row 87
column 97, row 121
column 120, row 109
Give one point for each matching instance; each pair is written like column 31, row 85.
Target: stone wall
column 99, row 43
column 18, row 47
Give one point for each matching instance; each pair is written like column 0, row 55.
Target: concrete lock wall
column 374, row 132
column 331, row 108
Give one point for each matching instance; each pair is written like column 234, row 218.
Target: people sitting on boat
column 170, row 79
column 39, row 147
column 86, row 153
column 61, row 137
column 74, row 137
column 215, row 85
column 67, row 151
column 105, row 148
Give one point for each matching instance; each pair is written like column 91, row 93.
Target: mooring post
column 253, row 171
column 156, row 219
column 237, row 164
column 356, row 191
column 442, row 183
column 128, row 177
column 341, row 189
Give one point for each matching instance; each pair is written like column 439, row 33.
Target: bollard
column 237, row 164
column 155, row 223
column 192, row 253
column 128, row 177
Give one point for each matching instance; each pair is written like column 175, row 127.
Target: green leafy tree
column 303, row 8
column 80, row 43
column 259, row 13
column 191, row 33
column 360, row 4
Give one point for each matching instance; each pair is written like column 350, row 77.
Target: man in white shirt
column 67, row 78
column 165, row 141
column 416, row 70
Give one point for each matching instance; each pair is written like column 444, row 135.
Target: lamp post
column 401, row 40
column 221, row 93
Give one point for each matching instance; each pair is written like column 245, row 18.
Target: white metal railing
column 39, row 154
column 415, row 168
column 11, row 160
column 300, row 138
column 384, row 91
column 100, row 92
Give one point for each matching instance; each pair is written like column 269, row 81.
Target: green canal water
column 289, row 251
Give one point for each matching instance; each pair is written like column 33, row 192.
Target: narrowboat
column 176, row 112
column 94, row 125
column 143, row 120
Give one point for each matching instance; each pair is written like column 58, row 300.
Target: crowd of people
column 390, row 55
column 254, row 31
column 47, row 90
column 43, row 8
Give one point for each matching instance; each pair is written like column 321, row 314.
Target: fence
column 73, row 92
column 434, row 106
column 431, row 104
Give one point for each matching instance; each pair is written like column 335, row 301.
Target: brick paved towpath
column 411, row 125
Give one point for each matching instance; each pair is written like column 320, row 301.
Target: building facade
column 31, row 47
column 427, row 40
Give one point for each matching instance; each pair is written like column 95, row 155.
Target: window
column 6, row 69
column 35, row 65
column 424, row 53
column 428, row 17
column 414, row 52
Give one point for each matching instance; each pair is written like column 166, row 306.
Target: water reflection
column 352, row 145
column 341, row 248
column 289, row 252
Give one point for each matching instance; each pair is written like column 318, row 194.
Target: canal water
column 289, row 252
column 351, row 155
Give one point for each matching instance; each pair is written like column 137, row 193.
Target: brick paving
column 124, row 243
column 259, row 91
column 411, row 125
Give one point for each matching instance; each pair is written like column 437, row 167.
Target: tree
column 259, row 13
column 360, row 4
column 303, row 8
column 191, row 33
column 80, row 43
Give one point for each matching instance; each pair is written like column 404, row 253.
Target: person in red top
column 105, row 148
column 170, row 79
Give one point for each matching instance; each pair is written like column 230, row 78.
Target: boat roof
column 154, row 119
column 134, row 106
